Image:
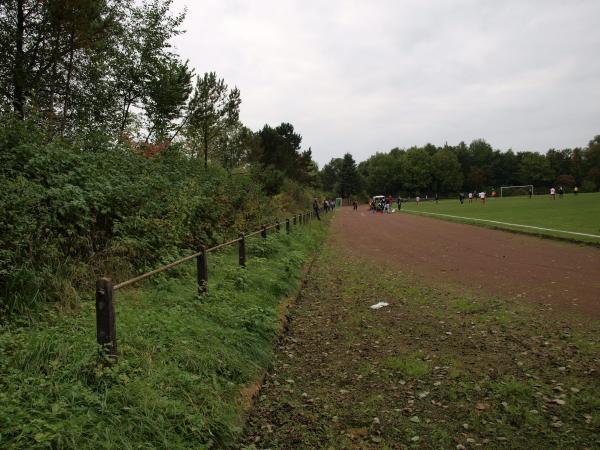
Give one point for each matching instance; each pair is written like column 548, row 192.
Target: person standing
column 316, row 208
column 530, row 192
column 575, row 190
column 470, row 197
column 355, row 205
column 561, row 191
column 482, row 197
column 417, row 199
column 436, row 197
column 461, row 197
column 399, row 202
column 553, row 193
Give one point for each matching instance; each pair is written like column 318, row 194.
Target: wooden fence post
column 263, row 232
column 106, row 329
column 202, row 271
column 242, row 250
column 287, row 226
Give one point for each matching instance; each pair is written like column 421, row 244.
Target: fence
column 106, row 328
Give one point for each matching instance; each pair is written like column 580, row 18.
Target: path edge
column 249, row 392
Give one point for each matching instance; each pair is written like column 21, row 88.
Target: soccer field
column 560, row 217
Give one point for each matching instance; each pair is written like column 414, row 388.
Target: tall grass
column 183, row 359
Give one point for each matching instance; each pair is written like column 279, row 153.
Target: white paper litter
column 379, row 305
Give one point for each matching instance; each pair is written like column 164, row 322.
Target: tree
column 476, row 179
column 565, row 180
column 534, row 169
column 166, row 95
column 330, row 174
column 350, row 182
column 417, row 170
column 213, row 109
column 446, row 171
column 382, row 173
column 235, row 146
column 593, row 177
column 281, row 151
column 41, row 45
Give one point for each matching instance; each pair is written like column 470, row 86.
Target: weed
column 410, row 365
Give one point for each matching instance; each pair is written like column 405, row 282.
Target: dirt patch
column 479, row 259
column 431, row 370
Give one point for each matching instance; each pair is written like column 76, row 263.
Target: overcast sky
column 366, row 76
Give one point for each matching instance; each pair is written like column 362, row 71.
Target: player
column 461, row 197
column 470, row 197
column 561, row 191
column 482, row 197
column 575, row 190
column 553, row 193
column 417, row 199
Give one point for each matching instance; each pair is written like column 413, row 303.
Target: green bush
column 74, row 210
column 588, row 186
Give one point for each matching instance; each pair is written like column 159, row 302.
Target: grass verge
column 183, row 360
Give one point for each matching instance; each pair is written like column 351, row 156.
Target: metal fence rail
column 106, row 334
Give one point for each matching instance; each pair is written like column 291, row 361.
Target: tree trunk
column 66, row 102
column 205, row 150
column 18, row 70
column 126, row 105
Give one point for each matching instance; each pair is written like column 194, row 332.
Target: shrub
column 73, row 210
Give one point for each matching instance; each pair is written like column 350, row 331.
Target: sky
column 367, row 76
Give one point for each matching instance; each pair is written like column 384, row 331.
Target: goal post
column 526, row 189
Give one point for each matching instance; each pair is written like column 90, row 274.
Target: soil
column 491, row 261
column 437, row 367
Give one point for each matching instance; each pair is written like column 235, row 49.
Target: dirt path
column 491, row 261
column 436, row 368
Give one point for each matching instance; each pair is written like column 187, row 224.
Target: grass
column 579, row 214
column 183, row 359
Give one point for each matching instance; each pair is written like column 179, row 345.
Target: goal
column 516, row 190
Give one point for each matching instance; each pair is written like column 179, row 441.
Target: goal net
column 506, row 191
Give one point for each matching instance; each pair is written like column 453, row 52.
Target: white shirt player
column 552, row 191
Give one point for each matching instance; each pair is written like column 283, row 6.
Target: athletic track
column 497, row 263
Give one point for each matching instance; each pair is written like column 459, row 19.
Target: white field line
column 509, row 224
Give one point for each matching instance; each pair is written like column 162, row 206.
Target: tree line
column 116, row 156
column 448, row 170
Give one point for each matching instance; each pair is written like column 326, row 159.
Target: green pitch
column 575, row 214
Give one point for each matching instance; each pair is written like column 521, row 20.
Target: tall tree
column 350, row 181
column 535, row 169
column 40, row 44
column 446, row 171
column 167, row 92
column 330, row 174
column 417, row 170
column 213, row 109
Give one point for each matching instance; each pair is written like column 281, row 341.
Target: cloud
column 358, row 77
